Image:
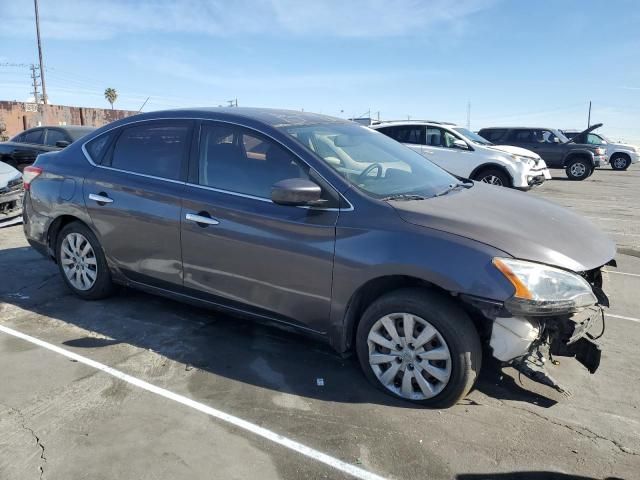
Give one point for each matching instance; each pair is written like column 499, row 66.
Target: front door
column 440, row 150
column 134, row 199
column 241, row 249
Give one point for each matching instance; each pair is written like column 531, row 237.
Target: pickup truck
column 578, row 159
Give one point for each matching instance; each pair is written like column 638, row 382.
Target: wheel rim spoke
column 389, row 374
column 407, row 386
column 435, row 354
column 407, row 325
column 380, row 340
column 426, row 388
column 426, row 335
column 390, row 326
column 380, row 358
column 439, row 374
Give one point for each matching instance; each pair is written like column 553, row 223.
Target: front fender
column 452, row 263
column 578, row 152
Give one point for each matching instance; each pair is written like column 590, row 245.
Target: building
column 18, row 116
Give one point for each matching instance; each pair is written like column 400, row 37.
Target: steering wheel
column 369, row 169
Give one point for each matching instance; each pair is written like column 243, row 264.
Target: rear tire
column 620, row 161
column 579, row 169
column 493, row 176
column 439, row 371
column 82, row 263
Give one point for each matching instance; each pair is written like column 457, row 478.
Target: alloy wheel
column 492, row 179
column 409, row 356
column 619, row 163
column 78, row 261
column 578, row 170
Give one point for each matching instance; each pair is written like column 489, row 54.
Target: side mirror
column 62, row 143
column 295, row 192
column 556, row 140
column 460, row 144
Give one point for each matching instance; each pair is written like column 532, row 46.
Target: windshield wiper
column 452, row 187
column 404, row 196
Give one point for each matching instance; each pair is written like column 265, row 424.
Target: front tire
column 620, row 162
column 82, row 263
column 493, row 176
column 579, row 169
column 420, row 346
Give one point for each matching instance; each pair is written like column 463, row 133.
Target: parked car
column 23, row 149
column 10, row 193
column 468, row 155
column 329, row 227
column 620, row 155
column 578, row 159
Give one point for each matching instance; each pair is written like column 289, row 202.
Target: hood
column 517, row 223
column 584, row 132
column 523, row 152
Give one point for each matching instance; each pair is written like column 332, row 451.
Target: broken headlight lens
column 544, row 290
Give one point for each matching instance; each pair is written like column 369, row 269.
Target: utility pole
column 44, row 89
column 589, row 116
column 469, row 115
column 233, row 102
column 34, row 80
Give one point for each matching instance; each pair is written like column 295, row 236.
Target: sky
column 533, row 63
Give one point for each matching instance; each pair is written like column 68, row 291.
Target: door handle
column 201, row 220
column 100, row 197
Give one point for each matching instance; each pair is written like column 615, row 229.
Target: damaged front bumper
column 561, row 336
column 529, row 343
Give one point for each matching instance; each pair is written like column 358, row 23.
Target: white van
column 467, row 154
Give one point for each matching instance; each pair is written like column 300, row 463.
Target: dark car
column 578, row 159
column 329, row 227
column 23, row 149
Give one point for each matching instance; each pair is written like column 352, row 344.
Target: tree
column 111, row 95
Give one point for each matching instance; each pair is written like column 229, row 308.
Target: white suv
column 467, row 154
column 620, row 155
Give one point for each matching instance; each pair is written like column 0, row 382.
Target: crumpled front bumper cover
column 564, row 336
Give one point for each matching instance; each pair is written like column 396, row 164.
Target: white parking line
column 622, row 273
column 631, row 319
column 344, row 467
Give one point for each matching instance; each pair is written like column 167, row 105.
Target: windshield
column 373, row 162
column 474, row 137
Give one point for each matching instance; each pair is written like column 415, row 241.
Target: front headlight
column 544, row 290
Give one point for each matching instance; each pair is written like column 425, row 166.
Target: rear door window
column 158, row 149
column 35, row 137
column 55, row 135
column 522, row 136
column 494, row 136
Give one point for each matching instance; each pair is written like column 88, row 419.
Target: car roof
column 270, row 116
column 519, row 128
column 387, row 123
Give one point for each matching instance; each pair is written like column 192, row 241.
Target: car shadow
column 235, row 348
column 524, row 475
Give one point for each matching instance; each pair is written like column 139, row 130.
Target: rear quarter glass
column 98, row 147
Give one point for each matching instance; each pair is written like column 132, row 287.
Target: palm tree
column 111, row 95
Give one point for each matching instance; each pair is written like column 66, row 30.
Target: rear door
column 241, row 249
column 134, row 198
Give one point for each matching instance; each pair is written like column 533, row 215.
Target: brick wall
column 18, row 116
